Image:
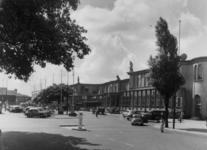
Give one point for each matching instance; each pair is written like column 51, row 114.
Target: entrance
column 197, row 99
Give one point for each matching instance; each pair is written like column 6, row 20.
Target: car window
column 136, row 116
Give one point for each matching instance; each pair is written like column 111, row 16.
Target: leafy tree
column 36, row 32
column 164, row 67
column 53, row 93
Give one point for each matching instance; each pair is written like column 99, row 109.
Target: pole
column 73, row 91
column 67, row 93
column 179, row 37
column 174, row 107
column 61, row 91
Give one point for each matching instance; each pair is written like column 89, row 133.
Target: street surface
column 108, row 132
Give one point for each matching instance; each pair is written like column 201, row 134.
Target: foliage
column 36, row 32
column 53, row 93
column 164, row 67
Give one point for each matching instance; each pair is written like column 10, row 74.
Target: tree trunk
column 166, row 112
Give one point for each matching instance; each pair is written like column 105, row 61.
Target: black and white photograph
column 103, row 74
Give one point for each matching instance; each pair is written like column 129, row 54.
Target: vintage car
column 37, row 112
column 16, row 109
column 156, row 114
column 138, row 119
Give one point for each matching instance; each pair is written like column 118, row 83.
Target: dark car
column 27, row 108
column 36, row 112
column 156, row 114
column 129, row 116
column 15, row 109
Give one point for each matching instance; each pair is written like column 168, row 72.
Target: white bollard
column 80, row 120
column 1, row 142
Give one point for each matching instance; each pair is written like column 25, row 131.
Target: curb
column 181, row 130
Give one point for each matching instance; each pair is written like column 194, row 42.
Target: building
column 137, row 93
column 195, row 73
column 12, row 96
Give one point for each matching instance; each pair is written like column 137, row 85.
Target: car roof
column 157, row 110
column 137, row 115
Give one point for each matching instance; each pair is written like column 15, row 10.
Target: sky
column 120, row 31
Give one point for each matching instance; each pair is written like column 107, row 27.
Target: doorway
column 197, row 99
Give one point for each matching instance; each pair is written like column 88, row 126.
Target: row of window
column 140, row 80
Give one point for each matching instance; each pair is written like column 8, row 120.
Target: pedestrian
column 181, row 116
column 96, row 113
column 162, row 125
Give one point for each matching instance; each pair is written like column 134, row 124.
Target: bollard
column 80, row 120
column 1, row 142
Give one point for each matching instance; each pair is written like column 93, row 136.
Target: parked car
column 156, row 114
column 138, row 119
column 27, row 108
column 16, row 109
column 129, row 116
column 36, row 112
column 127, row 113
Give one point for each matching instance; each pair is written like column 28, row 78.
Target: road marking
column 97, row 135
column 111, row 139
column 129, row 144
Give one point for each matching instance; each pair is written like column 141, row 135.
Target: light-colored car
column 137, row 119
column 36, row 112
column 127, row 113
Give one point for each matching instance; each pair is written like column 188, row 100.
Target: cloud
column 126, row 33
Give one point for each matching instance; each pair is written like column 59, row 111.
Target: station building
column 136, row 92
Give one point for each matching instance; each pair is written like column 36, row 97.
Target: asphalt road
column 108, row 132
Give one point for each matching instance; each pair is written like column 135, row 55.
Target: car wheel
column 132, row 124
column 128, row 119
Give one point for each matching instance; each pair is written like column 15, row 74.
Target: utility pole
column 174, row 97
column 67, row 91
column 73, row 91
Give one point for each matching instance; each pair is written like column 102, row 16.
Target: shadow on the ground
column 43, row 141
column 195, row 130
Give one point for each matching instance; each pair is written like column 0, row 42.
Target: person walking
column 96, row 113
column 162, row 125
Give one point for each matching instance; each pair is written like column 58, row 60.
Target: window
column 198, row 72
column 139, row 81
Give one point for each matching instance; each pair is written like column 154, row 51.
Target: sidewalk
column 190, row 126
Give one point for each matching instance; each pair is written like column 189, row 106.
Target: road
column 108, row 132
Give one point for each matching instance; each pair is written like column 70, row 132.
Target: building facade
column 195, row 73
column 12, row 97
column 137, row 93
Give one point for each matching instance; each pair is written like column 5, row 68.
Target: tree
column 53, row 93
column 164, row 67
column 36, row 32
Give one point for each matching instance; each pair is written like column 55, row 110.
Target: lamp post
column 72, row 110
